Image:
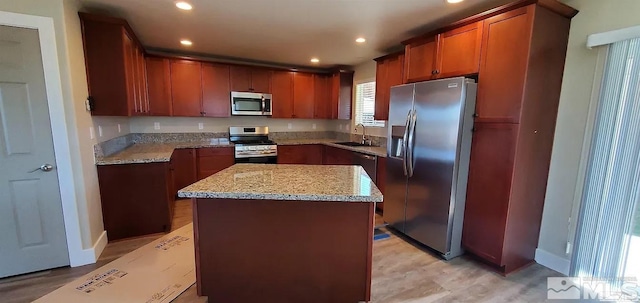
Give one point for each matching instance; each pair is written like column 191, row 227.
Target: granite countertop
column 341, row 183
column 152, row 152
column 370, row 150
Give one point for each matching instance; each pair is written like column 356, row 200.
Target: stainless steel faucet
column 364, row 129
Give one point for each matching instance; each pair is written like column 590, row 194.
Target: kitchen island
column 284, row 233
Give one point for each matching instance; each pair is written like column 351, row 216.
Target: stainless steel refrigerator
column 429, row 142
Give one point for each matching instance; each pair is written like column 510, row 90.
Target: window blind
column 366, row 104
column 612, row 190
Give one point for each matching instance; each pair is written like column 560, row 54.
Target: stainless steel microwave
column 250, row 104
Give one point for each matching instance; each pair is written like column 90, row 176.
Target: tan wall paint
column 74, row 89
column 364, row 72
column 595, row 16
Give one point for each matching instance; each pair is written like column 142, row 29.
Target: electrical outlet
column 99, row 131
column 200, row 125
column 119, row 128
column 289, row 126
column 340, row 126
column 156, row 125
column 313, row 126
column 92, row 133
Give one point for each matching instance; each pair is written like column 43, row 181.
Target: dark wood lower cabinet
column 300, row 154
column 381, row 178
column 136, row 199
column 183, row 166
column 213, row 159
column 337, row 156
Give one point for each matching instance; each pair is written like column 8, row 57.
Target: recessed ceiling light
column 184, row 5
column 186, row 42
column 454, row 1
column 315, row 60
column 361, row 40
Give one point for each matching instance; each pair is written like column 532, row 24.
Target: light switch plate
column 200, row 125
column 290, row 126
column 92, row 134
column 99, row 131
column 119, row 128
column 313, row 126
column 156, row 125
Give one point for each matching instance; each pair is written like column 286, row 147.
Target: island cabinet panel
column 459, row 51
column 114, row 66
column 250, row 79
column 336, row 156
column 135, row 198
column 303, row 95
column 282, row 94
column 318, row 260
column 420, row 59
column 503, row 66
column 216, row 90
column 184, row 168
column 322, row 96
column 159, row 86
column 389, row 72
column 300, row 154
column 186, row 88
column 213, row 159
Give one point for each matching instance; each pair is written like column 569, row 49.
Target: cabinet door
column 382, row 100
column 186, row 88
column 489, row 189
column 337, row 156
column 420, row 60
column 144, row 98
column 381, row 177
column 282, row 94
column 503, row 65
column 341, row 95
column 216, row 93
column 459, row 51
column 314, row 154
column 159, row 86
column 322, row 97
column 303, row 95
column 130, row 73
column 291, row 154
column 184, row 168
column 240, row 78
column 214, row 159
column 261, row 80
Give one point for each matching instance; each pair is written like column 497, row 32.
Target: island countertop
column 340, row 183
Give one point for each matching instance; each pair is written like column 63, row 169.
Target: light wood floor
column 402, row 272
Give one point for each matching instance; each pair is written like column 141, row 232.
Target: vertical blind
column 366, row 104
column 612, row 185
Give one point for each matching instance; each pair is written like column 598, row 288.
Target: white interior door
column 32, row 234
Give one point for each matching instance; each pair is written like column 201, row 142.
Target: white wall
column 188, row 125
column 74, row 87
column 595, row 16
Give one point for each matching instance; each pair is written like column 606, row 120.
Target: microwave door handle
column 264, row 104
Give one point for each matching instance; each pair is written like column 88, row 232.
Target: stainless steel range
column 252, row 144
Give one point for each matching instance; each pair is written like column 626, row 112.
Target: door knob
column 43, row 167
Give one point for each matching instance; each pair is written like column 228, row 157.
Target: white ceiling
column 288, row 32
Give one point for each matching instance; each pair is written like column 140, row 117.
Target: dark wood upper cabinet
column 159, row 86
column 114, row 62
column 341, row 95
column 322, row 96
column 503, row 66
column 420, row 59
column 250, row 79
column 303, row 95
column 389, row 72
column 216, row 90
column 282, row 94
column 186, row 88
column 459, row 51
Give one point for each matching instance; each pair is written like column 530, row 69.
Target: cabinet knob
column 435, row 72
column 535, row 131
column 475, row 115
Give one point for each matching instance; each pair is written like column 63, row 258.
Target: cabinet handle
column 475, row 115
column 434, row 72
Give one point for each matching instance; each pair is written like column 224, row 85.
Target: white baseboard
column 91, row 255
column 552, row 261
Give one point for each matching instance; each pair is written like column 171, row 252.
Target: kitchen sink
column 352, row 144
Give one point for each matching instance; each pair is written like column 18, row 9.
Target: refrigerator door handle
column 411, row 143
column 404, row 143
